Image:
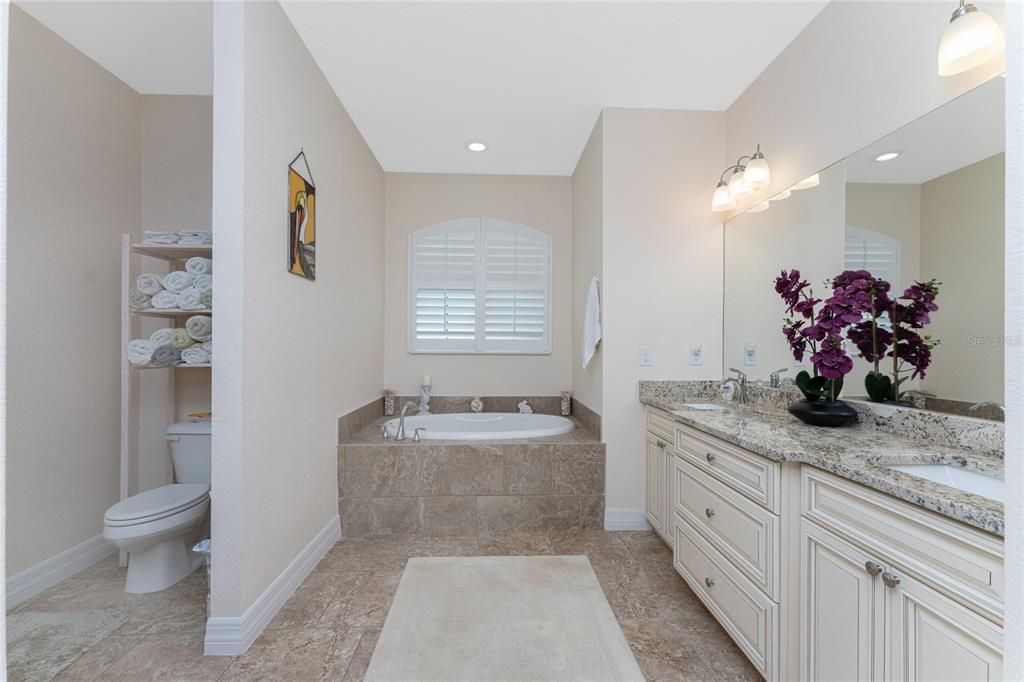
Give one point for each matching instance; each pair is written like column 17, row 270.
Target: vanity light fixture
column 807, row 182
column 763, row 206
column 745, row 178
column 971, row 39
column 476, row 146
column 887, row 156
column 784, row 194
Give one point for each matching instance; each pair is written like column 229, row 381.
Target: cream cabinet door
column 931, row 637
column 657, row 499
column 842, row 606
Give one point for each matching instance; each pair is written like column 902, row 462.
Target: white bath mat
column 501, row 618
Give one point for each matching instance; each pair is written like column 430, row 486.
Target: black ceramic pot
column 823, row 412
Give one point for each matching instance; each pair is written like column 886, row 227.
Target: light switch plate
column 750, row 355
column 696, row 355
column 646, row 356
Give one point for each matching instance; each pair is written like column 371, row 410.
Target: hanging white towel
column 592, row 322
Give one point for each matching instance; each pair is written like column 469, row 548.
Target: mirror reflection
column 923, row 203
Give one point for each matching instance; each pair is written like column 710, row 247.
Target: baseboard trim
column 232, row 635
column 47, row 573
column 625, row 519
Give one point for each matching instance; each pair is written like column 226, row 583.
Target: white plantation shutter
column 873, row 251
column 479, row 286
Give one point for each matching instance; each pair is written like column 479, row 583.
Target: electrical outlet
column 696, row 355
column 646, row 356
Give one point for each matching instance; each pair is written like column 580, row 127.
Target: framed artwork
column 301, row 220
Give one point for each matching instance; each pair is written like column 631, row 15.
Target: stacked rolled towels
column 200, row 328
column 166, row 356
column 178, row 289
column 191, row 345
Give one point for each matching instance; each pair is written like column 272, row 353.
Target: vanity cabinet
column 656, row 507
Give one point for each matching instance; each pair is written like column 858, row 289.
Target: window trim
column 479, row 345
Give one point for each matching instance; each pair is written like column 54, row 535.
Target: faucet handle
column 416, row 434
column 742, row 376
column 780, row 371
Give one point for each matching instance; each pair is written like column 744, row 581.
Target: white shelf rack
column 175, row 255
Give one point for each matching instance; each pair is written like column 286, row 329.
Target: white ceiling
column 962, row 132
column 157, row 48
column 420, row 79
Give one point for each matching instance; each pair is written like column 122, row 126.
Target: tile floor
column 87, row 628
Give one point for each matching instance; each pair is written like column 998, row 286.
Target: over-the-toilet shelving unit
column 175, row 255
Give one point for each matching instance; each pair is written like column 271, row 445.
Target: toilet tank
column 190, row 451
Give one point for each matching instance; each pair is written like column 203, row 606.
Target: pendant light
column 784, row 194
column 763, row 206
column 722, row 199
column 745, row 178
column 737, row 184
column 757, row 175
column 807, row 183
column 971, row 39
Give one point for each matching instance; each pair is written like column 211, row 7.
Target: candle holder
column 424, row 399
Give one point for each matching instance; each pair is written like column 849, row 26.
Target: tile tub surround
column 958, row 432
column 591, row 420
column 448, row 404
column 355, row 421
column 452, row 488
column 858, row 453
column 329, row 628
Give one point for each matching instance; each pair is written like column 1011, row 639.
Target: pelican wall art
column 301, row 220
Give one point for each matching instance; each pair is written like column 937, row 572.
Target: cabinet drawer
column 751, row 475
column 661, row 425
column 961, row 562
column 746, row 533
column 749, row 617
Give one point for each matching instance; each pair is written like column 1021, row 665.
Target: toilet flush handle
column 174, row 439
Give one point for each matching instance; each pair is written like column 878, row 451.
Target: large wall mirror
column 934, row 210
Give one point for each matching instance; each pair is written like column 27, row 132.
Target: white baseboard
column 232, row 635
column 34, row 579
column 625, row 519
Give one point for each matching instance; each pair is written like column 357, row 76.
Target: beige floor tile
column 168, row 657
column 515, row 544
column 94, row 662
column 361, row 600
column 297, row 654
column 305, row 607
column 361, row 660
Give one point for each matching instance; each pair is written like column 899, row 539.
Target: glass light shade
column 757, row 173
column 969, row 41
column 722, row 200
column 738, row 184
column 807, row 183
column 763, row 206
column 784, row 194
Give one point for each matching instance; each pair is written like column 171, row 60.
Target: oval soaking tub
column 484, row 426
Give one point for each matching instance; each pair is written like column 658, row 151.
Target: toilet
column 155, row 526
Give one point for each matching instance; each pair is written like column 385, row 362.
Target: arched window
column 873, row 251
column 479, row 285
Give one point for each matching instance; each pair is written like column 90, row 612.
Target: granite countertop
column 370, row 435
column 857, row 453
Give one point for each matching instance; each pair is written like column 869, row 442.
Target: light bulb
column 737, row 183
column 763, row 206
column 757, row 174
column 722, row 199
column 971, row 39
column 807, row 183
column 784, row 194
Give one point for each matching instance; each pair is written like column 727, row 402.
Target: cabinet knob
column 890, row 580
column 710, row 457
column 709, row 582
column 709, row 512
column 661, row 444
column 873, row 568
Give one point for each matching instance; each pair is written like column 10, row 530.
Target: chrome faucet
column 740, row 380
column 988, row 403
column 775, row 378
column 400, row 434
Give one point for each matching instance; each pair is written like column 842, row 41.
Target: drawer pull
column 709, row 582
column 709, row 512
column 873, row 568
column 890, row 580
column 710, row 457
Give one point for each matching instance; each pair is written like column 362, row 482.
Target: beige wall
column 298, row 353
column 662, row 262
column 895, row 211
column 416, row 200
column 849, row 78
column 74, row 186
column 587, row 256
column 962, row 246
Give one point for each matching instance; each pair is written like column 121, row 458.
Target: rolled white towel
column 197, row 265
column 208, row 347
column 149, row 284
column 161, row 337
column 140, row 351
column 191, row 299
column 203, row 282
column 200, row 327
column 138, row 300
column 164, row 300
column 177, row 281
column 195, row 355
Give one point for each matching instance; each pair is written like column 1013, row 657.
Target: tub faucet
column 400, row 434
column 740, row 380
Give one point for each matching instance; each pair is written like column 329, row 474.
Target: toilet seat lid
column 157, row 502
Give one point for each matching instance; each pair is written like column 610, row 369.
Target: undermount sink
column 957, row 477
column 704, row 406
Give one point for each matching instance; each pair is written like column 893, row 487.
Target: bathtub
column 484, row 426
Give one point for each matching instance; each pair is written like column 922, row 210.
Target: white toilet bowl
column 154, row 528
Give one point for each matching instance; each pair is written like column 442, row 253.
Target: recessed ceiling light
column 476, row 146
column 887, row 156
